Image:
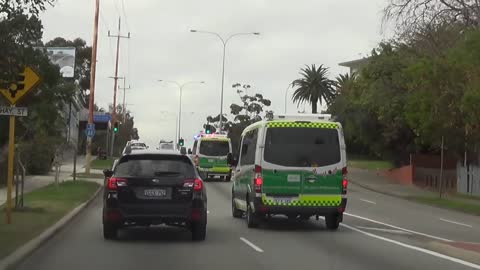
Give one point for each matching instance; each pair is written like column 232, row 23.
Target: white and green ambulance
column 210, row 156
column 291, row 165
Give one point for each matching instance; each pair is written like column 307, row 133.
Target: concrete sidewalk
column 375, row 181
column 33, row 182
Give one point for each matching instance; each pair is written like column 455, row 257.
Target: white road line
column 367, row 201
column 399, row 228
column 457, row 223
column 383, row 230
column 426, row 251
column 252, row 245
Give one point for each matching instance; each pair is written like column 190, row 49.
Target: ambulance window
column 302, row 147
column 249, row 146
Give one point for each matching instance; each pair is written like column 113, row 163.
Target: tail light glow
column 196, row 184
column 114, row 183
column 258, row 179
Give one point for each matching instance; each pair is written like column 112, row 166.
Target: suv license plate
column 155, row 193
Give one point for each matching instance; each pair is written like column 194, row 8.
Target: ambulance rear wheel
column 332, row 221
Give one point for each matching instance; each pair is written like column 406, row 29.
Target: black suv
column 154, row 187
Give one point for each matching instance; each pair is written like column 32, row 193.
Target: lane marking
column 398, row 228
column 457, row 223
column 367, row 201
column 252, row 245
column 426, row 251
column 383, row 230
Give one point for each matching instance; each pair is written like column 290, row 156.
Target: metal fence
column 468, row 179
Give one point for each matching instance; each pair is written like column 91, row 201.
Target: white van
column 291, row 165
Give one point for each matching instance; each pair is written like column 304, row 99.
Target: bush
column 37, row 154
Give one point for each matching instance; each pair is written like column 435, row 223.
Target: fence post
column 441, row 168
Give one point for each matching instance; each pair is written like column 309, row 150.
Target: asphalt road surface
column 379, row 232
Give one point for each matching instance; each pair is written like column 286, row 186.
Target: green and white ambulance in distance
column 210, row 156
column 293, row 165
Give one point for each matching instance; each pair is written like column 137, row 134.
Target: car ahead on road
column 166, row 146
column 152, row 188
column 134, row 146
column 210, row 156
column 293, row 166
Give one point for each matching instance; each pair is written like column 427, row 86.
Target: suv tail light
column 196, row 184
column 344, row 181
column 196, row 161
column 258, row 181
column 114, row 183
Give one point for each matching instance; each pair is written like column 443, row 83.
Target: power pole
column 91, row 99
column 124, row 104
column 115, row 79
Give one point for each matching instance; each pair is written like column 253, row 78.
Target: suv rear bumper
column 141, row 215
column 260, row 208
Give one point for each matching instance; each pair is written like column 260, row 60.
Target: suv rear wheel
column 199, row 230
column 110, row 232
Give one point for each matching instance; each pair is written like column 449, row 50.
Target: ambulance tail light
column 344, row 180
column 258, row 180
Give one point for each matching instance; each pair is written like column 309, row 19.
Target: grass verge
column 90, row 175
column 100, row 164
column 453, row 204
column 44, row 207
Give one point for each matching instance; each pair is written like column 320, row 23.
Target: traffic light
column 181, row 142
column 115, row 127
column 208, row 129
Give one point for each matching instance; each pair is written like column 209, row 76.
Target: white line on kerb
column 252, row 245
column 457, row 223
column 367, row 201
column 383, row 230
column 426, row 251
column 399, row 228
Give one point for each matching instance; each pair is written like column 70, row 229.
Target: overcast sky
column 293, row 34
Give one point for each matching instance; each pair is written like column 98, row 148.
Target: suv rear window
column 155, row 166
column 214, row 148
column 302, row 147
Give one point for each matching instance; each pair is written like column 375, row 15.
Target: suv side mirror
column 107, row 173
column 190, row 151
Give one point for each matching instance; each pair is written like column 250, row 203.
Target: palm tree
column 344, row 82
column 314, row 87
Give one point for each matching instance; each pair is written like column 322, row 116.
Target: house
column 355, row 65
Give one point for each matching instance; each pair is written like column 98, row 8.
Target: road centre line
column 457, row 223
column 252, row 245
column 426, row 251
column 399, row 228
column 367, row 201
column 383, row 230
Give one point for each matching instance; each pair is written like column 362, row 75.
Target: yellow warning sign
column 24, row 83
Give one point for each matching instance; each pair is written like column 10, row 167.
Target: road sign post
column 13, row 92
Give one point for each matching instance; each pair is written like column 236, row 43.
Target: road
column 379, row 232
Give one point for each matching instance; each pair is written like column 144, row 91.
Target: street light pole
column 224, row 42
column 286, row 93
column 180, row 87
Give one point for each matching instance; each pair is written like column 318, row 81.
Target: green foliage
column 313, row 87
column 408, row 97
column 251, row 109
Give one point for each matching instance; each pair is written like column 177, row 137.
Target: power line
column 116, row 7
